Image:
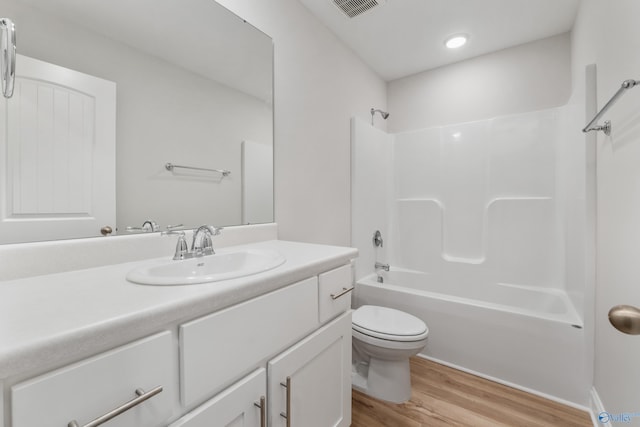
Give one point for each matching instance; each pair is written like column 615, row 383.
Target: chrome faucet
column 200, row 246
column 381, row 266
column 202, row 243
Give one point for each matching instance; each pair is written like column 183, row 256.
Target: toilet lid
column 388, row 323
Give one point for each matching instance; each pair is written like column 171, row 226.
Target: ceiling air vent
column 353, row 8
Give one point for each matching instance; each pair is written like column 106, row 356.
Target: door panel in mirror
column 58, row 148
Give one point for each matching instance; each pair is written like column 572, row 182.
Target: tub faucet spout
column 381, row 266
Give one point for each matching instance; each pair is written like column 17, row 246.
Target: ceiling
column 402, row 37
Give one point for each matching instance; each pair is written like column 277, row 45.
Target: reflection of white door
column 57, row 152
column 257, row 183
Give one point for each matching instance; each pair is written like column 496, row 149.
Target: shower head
column 384, row 114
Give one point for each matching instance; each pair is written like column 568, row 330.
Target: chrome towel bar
column 606, row 127
column 171, row 166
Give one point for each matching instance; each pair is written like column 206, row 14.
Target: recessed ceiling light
column 456, row 41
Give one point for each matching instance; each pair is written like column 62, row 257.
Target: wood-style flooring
column 442, row 396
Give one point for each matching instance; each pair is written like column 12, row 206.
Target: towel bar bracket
column 606, row 128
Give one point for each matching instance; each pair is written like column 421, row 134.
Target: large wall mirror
column 127, row 114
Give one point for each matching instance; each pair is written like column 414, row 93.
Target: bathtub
column 521, row 336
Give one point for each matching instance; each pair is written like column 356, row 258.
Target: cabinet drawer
column 235, row 406
column 219, row 348
column 333, row 295
column 89, row 389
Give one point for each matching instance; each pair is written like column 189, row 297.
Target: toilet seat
column 388, row 324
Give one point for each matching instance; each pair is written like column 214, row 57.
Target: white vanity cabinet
column 224, row 367
column 89, row 389
column 310, row 383
column 308, row 362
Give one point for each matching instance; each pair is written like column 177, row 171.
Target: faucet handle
column 182, row 249
column 207, row 245
column 377, row 239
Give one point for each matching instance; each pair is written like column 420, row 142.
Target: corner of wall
column 596, row 408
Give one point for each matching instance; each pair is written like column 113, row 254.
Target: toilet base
column 388, row 380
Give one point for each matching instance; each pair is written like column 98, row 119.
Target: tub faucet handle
column 377, row 239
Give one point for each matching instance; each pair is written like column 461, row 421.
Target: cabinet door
column 236, row 406
column 319, row 373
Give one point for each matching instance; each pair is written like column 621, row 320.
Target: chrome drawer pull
column 142, row 396
column 287, row 415
column 344, row 291
column 263, row 410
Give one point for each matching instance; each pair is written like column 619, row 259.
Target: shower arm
column 384, row 114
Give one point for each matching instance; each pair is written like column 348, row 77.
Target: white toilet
column 383, row 341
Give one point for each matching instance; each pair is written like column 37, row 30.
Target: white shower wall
column 371, row 191
column 492, row 201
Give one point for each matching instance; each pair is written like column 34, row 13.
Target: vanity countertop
column 48, row 321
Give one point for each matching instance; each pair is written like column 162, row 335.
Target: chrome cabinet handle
column 8, row 56
column 344, row 291
column 287, row 415
column 263, row 410
column 142, row 396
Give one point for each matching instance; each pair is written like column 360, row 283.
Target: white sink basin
column 210, row 268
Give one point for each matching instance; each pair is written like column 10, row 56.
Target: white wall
column 372, row 192
column 607, row 33
column 319, row 86
column 524, row 78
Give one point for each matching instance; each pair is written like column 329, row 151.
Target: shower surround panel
column 481, row 198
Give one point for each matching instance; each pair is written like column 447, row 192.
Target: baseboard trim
column 512, row 385
column 597, row 408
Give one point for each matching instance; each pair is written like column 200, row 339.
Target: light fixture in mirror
column 108, row 93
